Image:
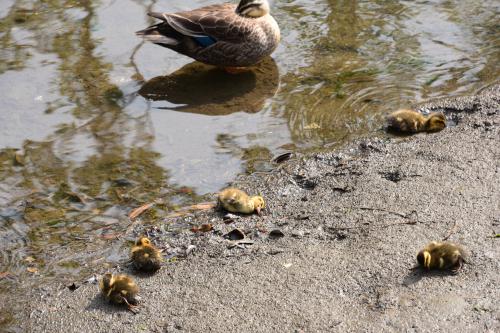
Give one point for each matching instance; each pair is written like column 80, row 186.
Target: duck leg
column 132, row 308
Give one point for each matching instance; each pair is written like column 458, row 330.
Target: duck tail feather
column 151, row 34
column 157, row 15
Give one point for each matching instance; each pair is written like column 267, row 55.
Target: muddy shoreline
column 353, row 221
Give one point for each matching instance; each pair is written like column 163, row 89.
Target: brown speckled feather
column 217, row 21
column 239, row 40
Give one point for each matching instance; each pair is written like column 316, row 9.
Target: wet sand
column 353, row 221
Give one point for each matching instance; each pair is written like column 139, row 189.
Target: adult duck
column 223, row 35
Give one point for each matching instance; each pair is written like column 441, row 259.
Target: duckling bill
column 441, row 255
column 237, row 201
column 145, row 256
column 409, row 121
column 120, row 289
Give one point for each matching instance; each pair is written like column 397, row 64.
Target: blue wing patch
column 205, row 41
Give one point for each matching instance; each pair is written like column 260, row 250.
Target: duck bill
column 259, row 211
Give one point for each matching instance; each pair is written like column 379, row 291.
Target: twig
column 138, row 211
column 452, row 230
column 374, row 226
column 381, row 210
column 405, row 216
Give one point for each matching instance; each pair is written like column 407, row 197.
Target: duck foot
column 132, row 308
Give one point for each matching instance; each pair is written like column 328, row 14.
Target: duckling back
column 441, row 255
column 145, row 256
column 406, row 121
column 119, row 289
column 435, row 122
column 124, row 289
column 235, row 201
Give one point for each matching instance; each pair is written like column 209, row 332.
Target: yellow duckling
column 120, row 289
column 441, row 255
column 409, row 121
column 145, row 256
column 237, row 201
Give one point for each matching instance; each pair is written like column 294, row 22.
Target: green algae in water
column 69, row 264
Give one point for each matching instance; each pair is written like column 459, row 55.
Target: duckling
column 120, row 289
column 223, row 35
column 237, row 201
column 145, row 256
column 409, row 121
column 441, row 255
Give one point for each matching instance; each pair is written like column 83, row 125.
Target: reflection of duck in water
column 223, row 35
column 202, row 89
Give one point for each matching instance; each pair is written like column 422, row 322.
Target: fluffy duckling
column 237, row 201
column 409, row 121
column 120, row 289
column 441, row 255
column 145, row 256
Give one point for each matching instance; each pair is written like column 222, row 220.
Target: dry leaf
column 111, row 235
column 202, row 206
column 29, row 259
column 32, row 269
column 185, row 190
column 282, row 158
column 206, row 227
column 287, row 265
column 175, row 214
column 138, row 211
column 4, row 274
column 188, row 209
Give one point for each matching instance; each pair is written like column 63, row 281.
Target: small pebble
column 276, row 233
column 235, row 234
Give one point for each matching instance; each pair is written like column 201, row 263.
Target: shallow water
column 93, row 122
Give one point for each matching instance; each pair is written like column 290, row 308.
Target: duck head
column 253, row 8
column 424, row 259
column 435, row 122
column 143, row 241
column 258, row 203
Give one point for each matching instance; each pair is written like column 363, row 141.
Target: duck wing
column 219, row 22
